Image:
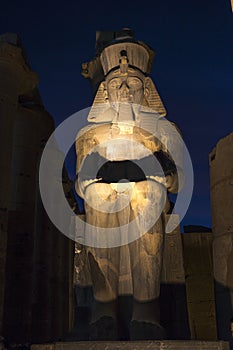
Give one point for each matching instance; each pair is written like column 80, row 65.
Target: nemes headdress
column 120, row 50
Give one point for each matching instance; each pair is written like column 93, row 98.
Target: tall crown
column 123, row 43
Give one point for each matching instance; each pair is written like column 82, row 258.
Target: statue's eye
column 134, row 83
column 115, row 83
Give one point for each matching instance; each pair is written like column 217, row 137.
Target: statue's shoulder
column 167, row 125
column 86, row 129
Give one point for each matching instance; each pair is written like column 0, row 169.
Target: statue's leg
column 146, row 262
column 101, row 207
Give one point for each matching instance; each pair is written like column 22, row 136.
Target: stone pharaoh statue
column 116, row 177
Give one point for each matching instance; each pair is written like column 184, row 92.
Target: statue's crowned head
column 120, row 70
column 124, row 50
column 125, row 62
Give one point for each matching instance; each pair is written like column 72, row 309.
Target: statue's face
column 127, row 87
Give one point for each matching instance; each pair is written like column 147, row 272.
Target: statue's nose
column 124, row 89
column 124, row 86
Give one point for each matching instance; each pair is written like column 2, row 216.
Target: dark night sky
column 193, row 67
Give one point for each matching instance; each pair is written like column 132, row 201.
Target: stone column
column 21, row 223
column 35, row 275
column 44, row 288
column 16, row 79
column 53, row 277
column 198, row 264
column 221, row 193
column 64, row 256
column 69, row 251
column 174, row 315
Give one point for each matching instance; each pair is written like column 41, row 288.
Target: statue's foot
column 105, row 328
column 141, row 330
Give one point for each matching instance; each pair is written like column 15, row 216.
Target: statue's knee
column 152, row 191
column 98, row 192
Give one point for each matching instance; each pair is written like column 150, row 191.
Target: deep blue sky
column 193, row 67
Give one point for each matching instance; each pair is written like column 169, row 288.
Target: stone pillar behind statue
column 16, row 79
column 221, row 191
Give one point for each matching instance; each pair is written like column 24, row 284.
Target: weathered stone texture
column 173, row 268
column 200, row 285
column 35, row 258
column 173, row 305
column 221, row 187
column 140, row 345
column 16, row 79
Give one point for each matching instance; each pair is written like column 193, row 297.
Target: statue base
column 135, row 345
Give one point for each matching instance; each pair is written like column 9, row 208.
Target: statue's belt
column 129, row 170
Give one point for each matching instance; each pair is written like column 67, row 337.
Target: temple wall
column 198, row 264
column 174, row 314
column 221, row 191
column 16, row 79
column 35, row 258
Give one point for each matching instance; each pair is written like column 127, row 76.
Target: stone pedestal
column 132, row 345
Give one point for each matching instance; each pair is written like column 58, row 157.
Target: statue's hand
column 78, row 248
column 172, row 183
